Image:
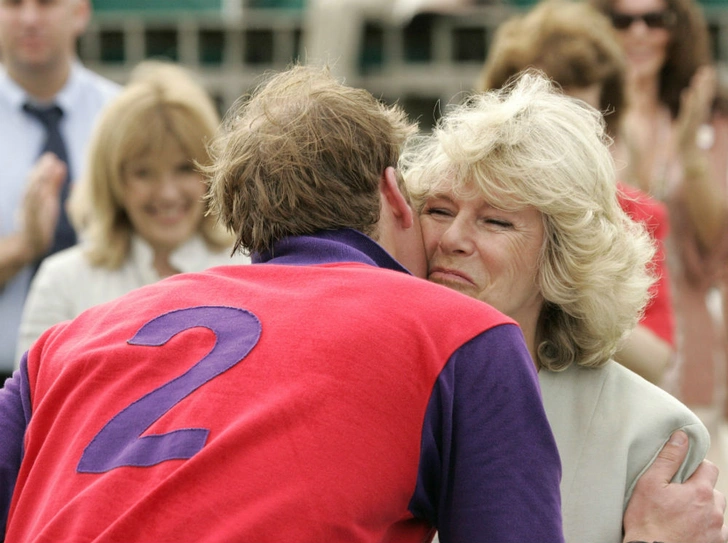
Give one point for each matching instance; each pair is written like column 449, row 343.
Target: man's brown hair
column 303, row 153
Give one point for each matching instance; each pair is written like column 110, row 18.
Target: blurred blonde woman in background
column 518, row 208
column 140, row 207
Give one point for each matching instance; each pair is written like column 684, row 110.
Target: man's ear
column 82, row 16
column 393, row 198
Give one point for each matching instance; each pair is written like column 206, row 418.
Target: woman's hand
column 696, row 102
column 703, row 195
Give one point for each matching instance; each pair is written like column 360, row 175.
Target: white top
column 21, row 140
column 610, row 424
column 67, row 284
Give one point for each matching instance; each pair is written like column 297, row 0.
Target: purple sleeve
column 489, row 466
column 14, row 418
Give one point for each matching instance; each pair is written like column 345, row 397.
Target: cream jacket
column 609, row 425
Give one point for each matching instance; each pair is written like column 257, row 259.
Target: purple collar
column 327, row 246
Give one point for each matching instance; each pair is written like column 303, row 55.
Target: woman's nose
column 458, row 237
column 638, row 27
column 167, row 186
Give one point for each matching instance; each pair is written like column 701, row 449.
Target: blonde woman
column 518, row 207
column 140, row 207
column 575, row 45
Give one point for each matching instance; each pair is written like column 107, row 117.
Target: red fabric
column 246, row 474
column 659, row 315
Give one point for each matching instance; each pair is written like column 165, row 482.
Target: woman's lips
column 440, row 274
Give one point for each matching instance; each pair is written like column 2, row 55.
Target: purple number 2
column 119, row 443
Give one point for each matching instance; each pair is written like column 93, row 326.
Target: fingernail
column 678, row 438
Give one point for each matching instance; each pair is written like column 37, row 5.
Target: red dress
column 659, row 316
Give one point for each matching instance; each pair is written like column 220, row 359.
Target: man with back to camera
column 322, row 394
column 309, row 398
column 43, row 90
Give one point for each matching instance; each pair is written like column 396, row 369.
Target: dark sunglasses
column 653, row 19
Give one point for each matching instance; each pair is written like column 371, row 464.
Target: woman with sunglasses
column 674, row 144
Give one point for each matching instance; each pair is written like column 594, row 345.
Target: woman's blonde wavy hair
column 161, row 102
column 529, row 145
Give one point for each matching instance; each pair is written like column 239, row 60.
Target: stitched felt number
column 119, row 443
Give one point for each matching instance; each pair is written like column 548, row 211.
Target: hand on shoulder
column 689, row 512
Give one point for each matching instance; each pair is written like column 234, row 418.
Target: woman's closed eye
column 437, row 212
column 500, row 223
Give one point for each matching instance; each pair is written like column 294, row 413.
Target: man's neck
column 43, row 86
